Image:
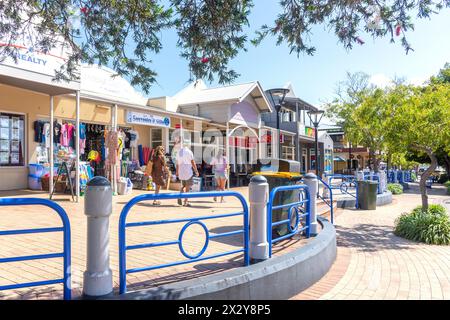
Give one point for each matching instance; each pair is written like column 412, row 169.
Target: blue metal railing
column 328, row 202
column 66, row 254
column 347, row 182
column 123, row 248
column 303, row 206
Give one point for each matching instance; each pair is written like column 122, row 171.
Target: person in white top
column 185, row 170
column 220, row 165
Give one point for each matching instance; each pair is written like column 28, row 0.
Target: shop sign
column 266, row 138
column 148, row 119
column 309, row 132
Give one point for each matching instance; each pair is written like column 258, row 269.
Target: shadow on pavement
column 371, row 238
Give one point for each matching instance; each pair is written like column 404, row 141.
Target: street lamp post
column 315, row 117
column 280, row 93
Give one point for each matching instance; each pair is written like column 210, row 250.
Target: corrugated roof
column 235, row 93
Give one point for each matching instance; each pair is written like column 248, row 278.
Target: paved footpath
column 23, row 217
column 373, row 263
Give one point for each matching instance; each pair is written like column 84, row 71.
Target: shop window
column 156, row 138
column 12, row 140
column 288, row 148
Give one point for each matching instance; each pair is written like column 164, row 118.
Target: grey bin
column 367, row 195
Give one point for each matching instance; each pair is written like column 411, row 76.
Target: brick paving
column 37, row 217
column 373, row 263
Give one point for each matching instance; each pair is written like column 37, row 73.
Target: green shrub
column 442, row 178
column 395, row 188
column 435, row 209
column 447, row 184
column 413, row 176
column 431, row 227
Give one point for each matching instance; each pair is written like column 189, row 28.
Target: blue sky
column 315, row 77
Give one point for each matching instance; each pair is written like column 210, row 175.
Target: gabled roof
column 291, row 101
column 235, row 93
column 103, row 82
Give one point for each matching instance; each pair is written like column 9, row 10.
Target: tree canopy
column 398, row 120
column 127, row 34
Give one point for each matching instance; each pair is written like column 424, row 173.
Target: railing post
column 312, row 183
column 97, row 280
column 258, row 196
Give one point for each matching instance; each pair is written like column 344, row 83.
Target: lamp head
column 280, row 93
column 315, row 116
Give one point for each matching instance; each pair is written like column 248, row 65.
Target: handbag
column 149, row 168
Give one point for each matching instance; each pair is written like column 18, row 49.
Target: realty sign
column 148, row 119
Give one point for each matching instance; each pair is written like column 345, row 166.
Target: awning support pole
column 77, row 147
column 114, row 167
column 52, row 162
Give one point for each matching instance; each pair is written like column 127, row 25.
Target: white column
column 114, row 167
column 77, row 147
column 97, row 280
column 52, row 164
column 227, row 148
column 312, row 183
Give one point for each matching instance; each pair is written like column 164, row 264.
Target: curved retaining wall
column 280, row 277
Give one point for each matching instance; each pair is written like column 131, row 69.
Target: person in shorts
column 185, row 171
column 220, row 167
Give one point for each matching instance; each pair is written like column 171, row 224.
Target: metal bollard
column 312, row 183
column 97, row 279
column 258, row 189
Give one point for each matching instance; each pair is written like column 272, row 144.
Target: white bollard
column 258, row 189
column 312, row 183
column 97, row 280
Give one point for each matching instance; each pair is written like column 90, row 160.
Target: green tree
column 125, row 34
column 360, row 110
column 419, row 119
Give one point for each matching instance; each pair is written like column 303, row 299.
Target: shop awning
column 339, row 159
column 35, row 82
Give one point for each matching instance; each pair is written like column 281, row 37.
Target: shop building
column 234, row 121
column 33, row 112
column 296, row 132
column 346, row 157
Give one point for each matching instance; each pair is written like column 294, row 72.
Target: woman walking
column 159, row 171
column 220, row 167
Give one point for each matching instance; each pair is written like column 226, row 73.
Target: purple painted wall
column 243, row 110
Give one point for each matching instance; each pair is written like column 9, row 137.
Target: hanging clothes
column 72, row 135
column 134, row 138
column 38, row 128
column 121, row 143
column 56, row 132
column 46, row 134
column 112, row 145
column 64, row 135
column 82, row 137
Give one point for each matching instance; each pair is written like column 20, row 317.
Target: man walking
column 185, row 170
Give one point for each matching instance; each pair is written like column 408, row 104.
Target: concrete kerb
column 280, row 277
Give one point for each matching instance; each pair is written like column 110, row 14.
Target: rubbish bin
column 275, row 179
column 367, row 194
